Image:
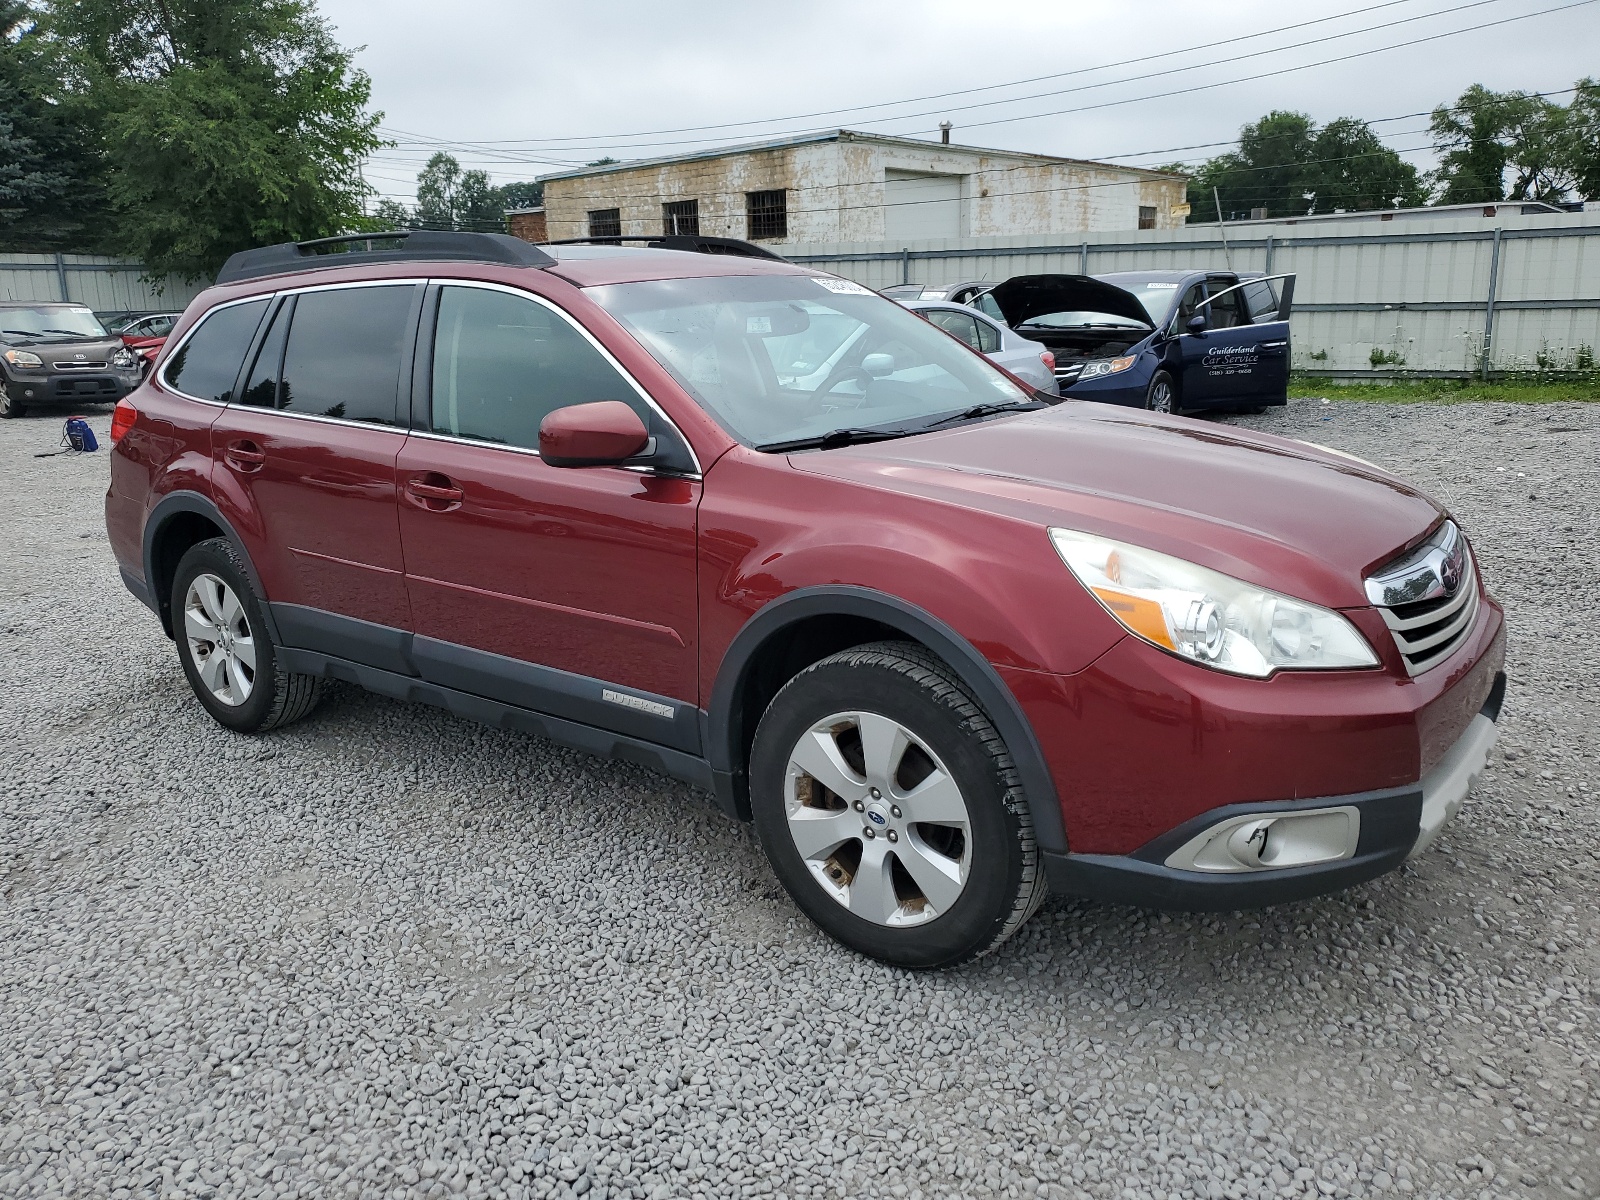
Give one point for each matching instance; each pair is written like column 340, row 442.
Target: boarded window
column 680, row 216
column 605, row 222
column 766, row 214
column 1147, row 216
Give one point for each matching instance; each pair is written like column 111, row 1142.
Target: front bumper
column 1394, row 824
column 90, row 387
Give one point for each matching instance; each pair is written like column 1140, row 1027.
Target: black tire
column 276, row 697
column 9, row 407
column 1162, row 394
column 1005, row 881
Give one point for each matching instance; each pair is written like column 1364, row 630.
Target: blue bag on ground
column 79, row 436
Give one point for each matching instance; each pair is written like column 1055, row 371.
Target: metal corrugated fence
column 1412, row 295
column 104, row 284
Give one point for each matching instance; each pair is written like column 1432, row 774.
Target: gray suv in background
column 54, row 353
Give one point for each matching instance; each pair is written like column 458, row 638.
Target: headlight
column 123, row 357
column 1106, row 366
column 21, row 358
column 1208, row 617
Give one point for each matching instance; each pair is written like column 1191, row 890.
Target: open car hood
column 1024, row 297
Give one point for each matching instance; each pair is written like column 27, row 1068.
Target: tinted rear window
column 344, row 351
column 207, row 364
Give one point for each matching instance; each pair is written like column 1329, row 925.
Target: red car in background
column 146, row 335
column 945, row 642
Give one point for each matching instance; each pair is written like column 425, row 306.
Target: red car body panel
column 588, row 571
column 646, row 582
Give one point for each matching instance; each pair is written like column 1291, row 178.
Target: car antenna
column 1226, row 257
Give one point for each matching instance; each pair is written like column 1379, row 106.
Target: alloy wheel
column 220, row 642
column 1160, row 396
column 878, row 820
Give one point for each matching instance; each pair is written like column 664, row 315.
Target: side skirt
column 690, row 768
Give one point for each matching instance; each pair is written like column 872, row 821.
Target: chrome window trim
column 161, row 375
column 627, row 375
column 480, row 444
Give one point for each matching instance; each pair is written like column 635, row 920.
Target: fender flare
column 160, row 516
column 974, row 671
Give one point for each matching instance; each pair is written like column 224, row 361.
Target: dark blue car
column 1164, row 340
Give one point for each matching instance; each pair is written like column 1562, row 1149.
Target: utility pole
column 1226, row 257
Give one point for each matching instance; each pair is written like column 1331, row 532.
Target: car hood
column 53, row 351
column 1281, row 514
column 1024, row 297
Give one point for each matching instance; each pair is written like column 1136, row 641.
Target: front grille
column 1069, row 372
column 1426, row 616
column 97, row 365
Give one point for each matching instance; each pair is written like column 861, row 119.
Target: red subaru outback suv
column 947, row 643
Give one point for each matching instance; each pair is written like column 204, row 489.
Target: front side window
column 207, row 364
column 791, row 358
column 1259, row 296
column 501, row 362
column 1223, row 312
column 343, row 354
column 958, row 324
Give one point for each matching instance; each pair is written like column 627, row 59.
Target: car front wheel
column 9, row 405
column 891, row 811
column 226, row 651
column 1162, row 394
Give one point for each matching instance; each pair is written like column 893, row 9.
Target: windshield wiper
column 835, row 438
column 23, row 332
column 989, row 409
column 73, row 333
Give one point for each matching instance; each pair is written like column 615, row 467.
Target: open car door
column 1240, row 358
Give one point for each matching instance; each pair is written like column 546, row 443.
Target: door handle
column 244, row 455
column 434, row 492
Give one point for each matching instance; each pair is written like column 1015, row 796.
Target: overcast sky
column 540, row 86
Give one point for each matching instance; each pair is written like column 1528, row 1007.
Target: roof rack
column 398, row 245
column 693, row 242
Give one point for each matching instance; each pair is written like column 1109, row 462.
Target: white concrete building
column 842, row 186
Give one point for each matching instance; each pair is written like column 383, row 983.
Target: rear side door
column 306, row 465
column 570, row 591
column 1232, row 362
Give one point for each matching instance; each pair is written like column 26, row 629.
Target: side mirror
column 601, row 434
column 878, row 365
column 1196, row 323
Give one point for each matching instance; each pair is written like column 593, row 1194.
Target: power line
column 628, row 138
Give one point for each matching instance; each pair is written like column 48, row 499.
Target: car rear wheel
column 1162, row 394
column 891, row 811
column 226, row 651
column 10, row 406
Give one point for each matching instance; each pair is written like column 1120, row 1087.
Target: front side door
column 1231, row 361
column 566, row 590
column 306, row 456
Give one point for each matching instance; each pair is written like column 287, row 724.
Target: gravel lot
column 390, row 953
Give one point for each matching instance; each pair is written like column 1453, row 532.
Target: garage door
column 921, row 206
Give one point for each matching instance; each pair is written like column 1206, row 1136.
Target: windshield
column 1157, row 297
column 1073, row 320
column 50, row 323
column 786, row 358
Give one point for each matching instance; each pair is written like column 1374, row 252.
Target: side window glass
column 1223, row 313
column 988, row 337
column 343, row 354
column 1189, row 305
column 959, row 324
column 986, row 304
column 501, row 362
column 207, row 364
column 1262, row 302
column 261, row 390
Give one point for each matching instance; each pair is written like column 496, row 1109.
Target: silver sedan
column 1025, row 359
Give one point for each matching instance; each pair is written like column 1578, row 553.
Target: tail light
column 1049, row 361
column 122, row 419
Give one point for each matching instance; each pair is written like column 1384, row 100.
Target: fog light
column 1272, row 841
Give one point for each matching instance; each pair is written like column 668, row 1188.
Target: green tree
column 1486, row 138
column 1580, row 147
column 1289, row 167
column 227, row 123
column 51, row 185
column 522, row 194
column 389, row 214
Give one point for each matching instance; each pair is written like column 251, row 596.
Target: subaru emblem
column 1450, row 573
column 876, row 817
